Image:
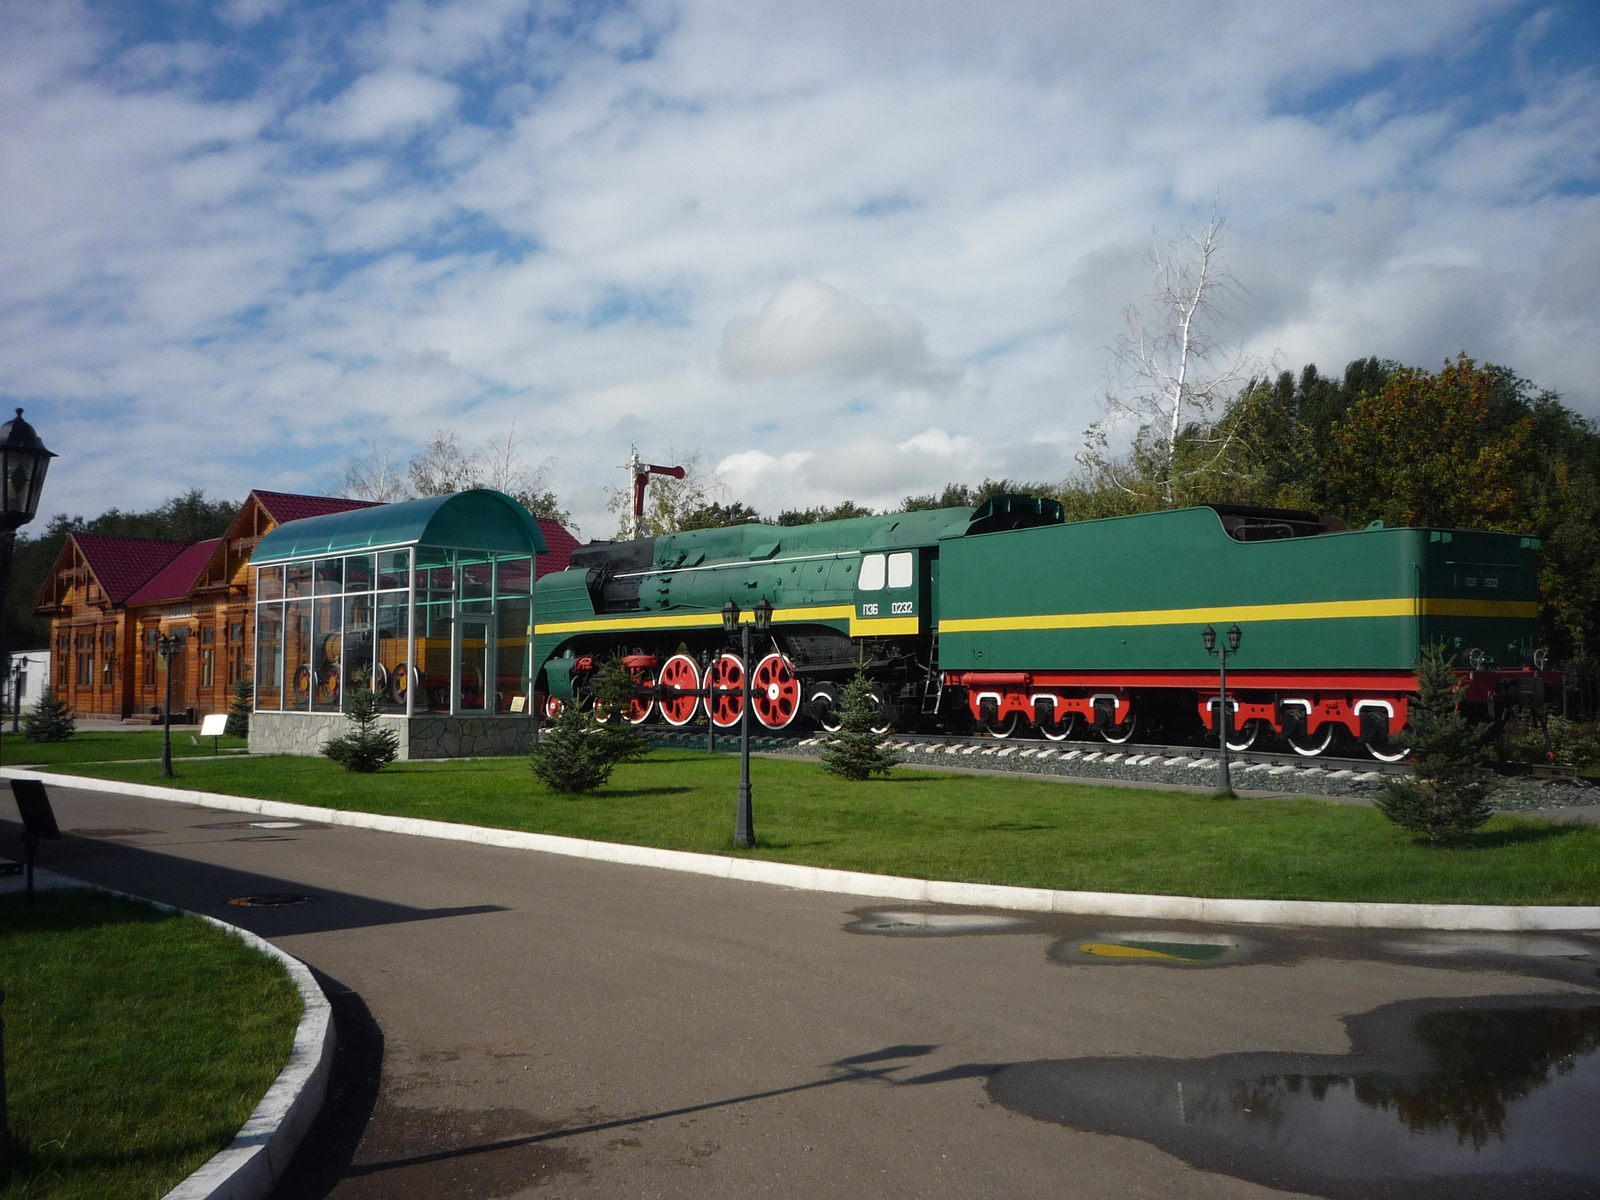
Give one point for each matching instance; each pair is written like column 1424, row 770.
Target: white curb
column 251, row 1165
column 1329, row 913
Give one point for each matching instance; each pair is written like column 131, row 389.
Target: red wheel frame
column 775, row 692
column 553, row 706
column 640, row 707
column 725, row 706
column 681, row 674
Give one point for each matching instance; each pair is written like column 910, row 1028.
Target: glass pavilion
column 429, row 602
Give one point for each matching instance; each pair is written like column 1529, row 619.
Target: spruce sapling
column 366, row 748
column 51, row 719
column 855, row 752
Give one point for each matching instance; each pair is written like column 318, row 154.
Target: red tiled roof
column 124, row 564
column 561, row 544
column 175, row 579
column 284, row 507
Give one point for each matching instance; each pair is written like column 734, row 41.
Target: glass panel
column 516, row 576
column 330, row 576
column 356, row 644
column 269, row 583
column 394, row 672
column 871, row 573
column 511, row 653
column 326, row 643
column 394, row 569
column 477, row 581
column 299, row 579
column 297, row 655
column 900, row 570
column 433, row 658
column 358, row 573
column 475, row 692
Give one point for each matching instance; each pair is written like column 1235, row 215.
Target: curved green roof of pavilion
column 482, row 519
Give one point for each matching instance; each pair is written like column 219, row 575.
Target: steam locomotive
column 1009, row 619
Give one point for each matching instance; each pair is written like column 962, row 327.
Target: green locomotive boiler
column 1006, row 616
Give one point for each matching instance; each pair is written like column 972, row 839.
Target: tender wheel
column 725, row 680
column 678, row 675
column 328, row 684
column 1060, row 731
column 1004, row 727
column 554, row 706
column 302, row 682
column 640, row 707
column 1117, row 734
column 399, row 682
column 825, row 706
column 1386, row 751
column 1313, row 744
column 880, row 704
column 775, row 692
column 380, row 679
column 1243, row 739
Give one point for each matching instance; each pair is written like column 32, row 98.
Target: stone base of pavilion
column 426, row 736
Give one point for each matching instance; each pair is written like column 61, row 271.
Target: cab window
column 872, row 570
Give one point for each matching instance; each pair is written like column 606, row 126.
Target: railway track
column 990, row 750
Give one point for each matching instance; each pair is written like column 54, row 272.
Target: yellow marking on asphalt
column 1114, row 950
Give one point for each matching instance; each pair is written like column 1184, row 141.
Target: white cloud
column 808, row 326
column 387, row 102
column 851, row 249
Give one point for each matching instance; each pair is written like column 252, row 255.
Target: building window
column 236, row 633
column 85, row 669
column 207, row 635
column 207, row 669
column 107, row 674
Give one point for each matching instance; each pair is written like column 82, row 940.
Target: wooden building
column 110, row 598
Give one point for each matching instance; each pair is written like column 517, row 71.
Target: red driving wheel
column 775, row 692
column 725, row 706
column 553, row 706
column 640, row 707
column 680, row 674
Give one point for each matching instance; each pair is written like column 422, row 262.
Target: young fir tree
column 366, row 748
column 1444, row 800
column 578, row 753
column 855, row 752
column 239, row 710
column 51, row 719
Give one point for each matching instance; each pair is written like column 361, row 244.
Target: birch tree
column 1173, row 367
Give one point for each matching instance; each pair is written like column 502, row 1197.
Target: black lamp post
column 1224, row 713
column 744, row 832
column 167, row 646
column 23, row 463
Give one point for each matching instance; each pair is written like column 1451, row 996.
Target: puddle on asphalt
column 1471, row 1100
column 916, row 922
column 1154, row 947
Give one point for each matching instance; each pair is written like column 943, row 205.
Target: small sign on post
column 38, row 821
column 214, row 727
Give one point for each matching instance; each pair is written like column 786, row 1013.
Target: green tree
column 1428, row 450
column 842, row 511
column 719, row 516
column 366, row 748
column 51, row 719
column 856, row 752
column 573, row 756
column 239, row 709
column 614, row 693
column 1444, row 800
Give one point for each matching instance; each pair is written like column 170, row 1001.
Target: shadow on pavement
column 205, row 888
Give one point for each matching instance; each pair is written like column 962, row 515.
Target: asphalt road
column 518, row 1024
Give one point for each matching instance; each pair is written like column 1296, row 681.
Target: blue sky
column 841, row 249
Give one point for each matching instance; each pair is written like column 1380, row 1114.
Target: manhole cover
column 269, row 900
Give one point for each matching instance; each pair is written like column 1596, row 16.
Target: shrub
column 366, row 748
column 51, row 719
column 855, row 752
column 575, row 754
column 239, row 710
column 1444, row 800
column 1554, row 739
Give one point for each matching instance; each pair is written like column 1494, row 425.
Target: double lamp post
column 744, row 831
column 1224, row 713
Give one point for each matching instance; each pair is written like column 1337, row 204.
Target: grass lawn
column 136, row 1042
column 16, row 750
column 964, row 827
